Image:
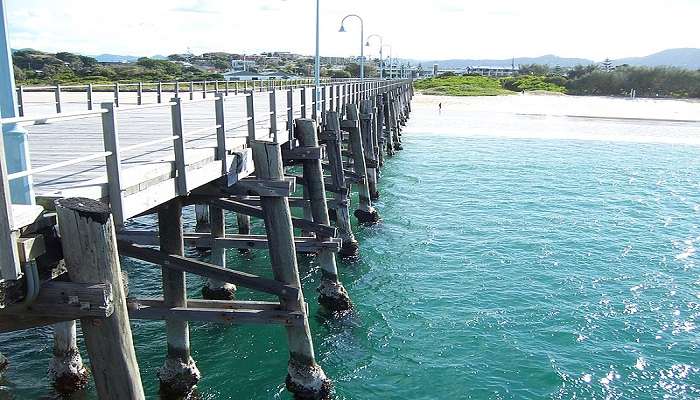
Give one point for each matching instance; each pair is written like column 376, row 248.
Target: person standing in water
column 439, row 108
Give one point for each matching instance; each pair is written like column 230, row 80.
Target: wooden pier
column 97, row 166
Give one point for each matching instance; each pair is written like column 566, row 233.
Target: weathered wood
column 214, row 288
column 232, row 316
column 366, row 214
column 212, row 304
column 303, row 244
column 179, row 146
column 366, row 129
column 262, row 187
column 305, row 377
column 66, row 370
column 302, row 153
column 179, row 374
column 258, row 212
column 333, row 295
column 342, row 200
column 90, row 251
column 184, row 264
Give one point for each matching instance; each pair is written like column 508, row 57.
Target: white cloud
column 426, row 30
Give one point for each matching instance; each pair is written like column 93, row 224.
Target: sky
column 422, row 30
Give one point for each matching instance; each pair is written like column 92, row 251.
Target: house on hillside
column 255, row 76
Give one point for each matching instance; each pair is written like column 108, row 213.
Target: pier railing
column 154, row 92
column 275, row 125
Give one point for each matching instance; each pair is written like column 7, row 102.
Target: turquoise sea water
column 504, row 268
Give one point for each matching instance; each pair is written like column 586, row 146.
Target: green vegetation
column 529, row 83
column 582, row 80
column 452, row 85
column 36, row 67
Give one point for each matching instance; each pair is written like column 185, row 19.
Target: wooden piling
column 90, row 252
column 179, row 375
column 367, row 127
column 381, row 138
column 341, row 203
column 215, row 289
column 66, row 370
column 201, row 212
column 332, row 295
column 388, row 125
column 305, row 378
column 243, row 222
column 365, row 213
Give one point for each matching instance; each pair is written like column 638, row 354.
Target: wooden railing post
column 20, row 100
column 179, row 146
column 305, row 378
column 204, row 89
column 273, row 115
column 89, row 96
column 90, row 251
column 179, row 374
column 116, row 94
column 333, row 296
column 110, row 137
column 191, row 90
column 303, row 102
column 250, row 113
column 314, row 103
column 177, row 88
column 139, row 93
column 290, row 116
column 220, row 133
column 57, row 98
column 159, row 92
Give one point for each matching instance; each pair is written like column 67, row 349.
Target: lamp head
column 342, row 28
column 367, row 44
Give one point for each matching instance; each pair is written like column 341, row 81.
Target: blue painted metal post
column 15, row 137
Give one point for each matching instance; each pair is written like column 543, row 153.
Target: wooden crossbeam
column 253, row 211
column 302, row 153
column 60, row 301
column 230, row 316
column 192, row 266
column 265, row 187
column 304, row 244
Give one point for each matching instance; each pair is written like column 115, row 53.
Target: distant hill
column 123, row 58
column 685, row 58
column 549, row 59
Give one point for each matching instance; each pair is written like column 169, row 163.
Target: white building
column 242, row 65
column 255, row 76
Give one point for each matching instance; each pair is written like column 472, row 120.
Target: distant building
column 607, row 65
column 255, row 76
column 492, row 71
column 435, row 69
column 242, row 65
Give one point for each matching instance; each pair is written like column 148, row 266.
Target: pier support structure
column 365, row 213
column 215, row 289
column 368, row 129
column 305, row 378
column 90, row 251
column 66, row 369
column 341, row 203
column 179, row 375
column 333, row 296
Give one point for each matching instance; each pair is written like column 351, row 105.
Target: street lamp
column 362, row 41
column 317, row 62
column 381, row 57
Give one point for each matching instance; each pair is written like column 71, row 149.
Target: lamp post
column 381, row 57
column 14, row 136
column 317, row 63
column 362, row 41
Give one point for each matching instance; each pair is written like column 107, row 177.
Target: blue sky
column 429, row 29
